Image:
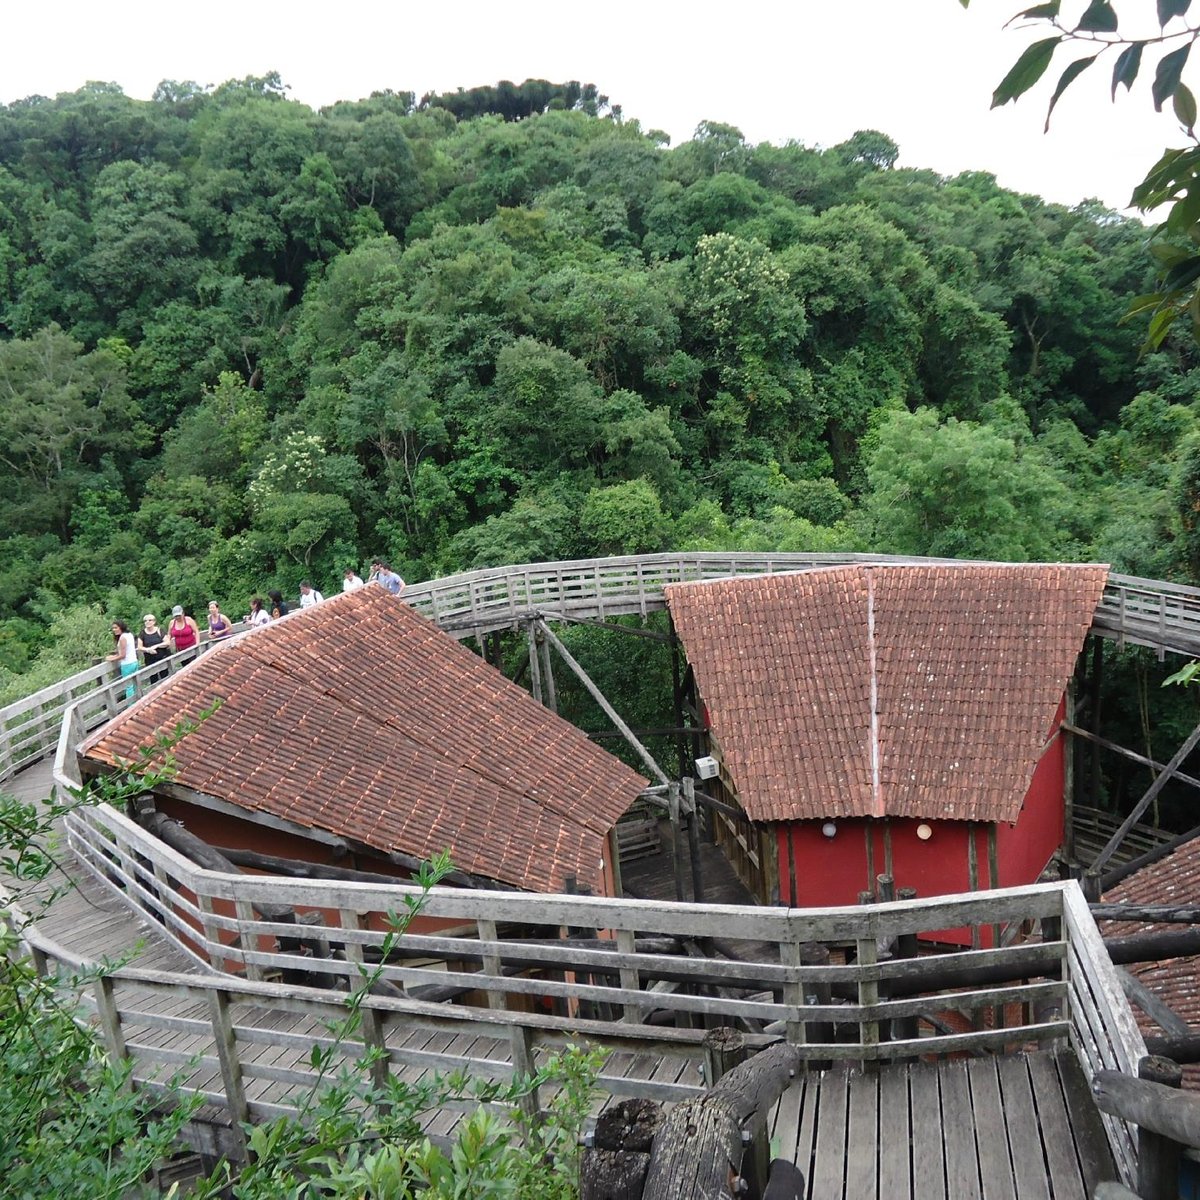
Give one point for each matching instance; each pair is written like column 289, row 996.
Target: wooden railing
column 1146, row 612
column 1104, row 1033
column 29, row 727
column 503, row 956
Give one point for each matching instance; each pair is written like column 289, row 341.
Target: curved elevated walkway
column 244, row 1040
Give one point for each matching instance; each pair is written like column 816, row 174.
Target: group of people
column 153, row 645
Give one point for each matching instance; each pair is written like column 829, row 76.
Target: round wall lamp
column 924, row 832
column 829, row 829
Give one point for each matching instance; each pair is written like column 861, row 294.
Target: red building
column 899, row 719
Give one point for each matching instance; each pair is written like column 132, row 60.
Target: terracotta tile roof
column 905, row 690
column 363, row 719
column 1175, row 880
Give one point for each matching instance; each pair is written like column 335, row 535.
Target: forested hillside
column 244, row 343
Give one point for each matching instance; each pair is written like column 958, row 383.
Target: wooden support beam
column 1144, row 803
column 1138, row 994
column 547, row 673
column 602, row 700
column 1132, row 755
column 1149, row 1105
column 1113, row 877
column 535, row 663
column 632, row 630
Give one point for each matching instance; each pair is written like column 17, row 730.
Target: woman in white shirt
column 257, row 615
column 125, row 655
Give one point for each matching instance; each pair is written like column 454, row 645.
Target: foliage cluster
column 243, row 343
column 75, row 1126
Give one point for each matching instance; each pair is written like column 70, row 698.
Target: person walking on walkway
column 125, row 654
column 309, row 595
column 351, row 581
column 382, row 574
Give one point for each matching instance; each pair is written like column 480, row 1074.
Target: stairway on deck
column 1020, row 1127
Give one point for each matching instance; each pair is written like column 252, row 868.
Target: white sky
column 921, row 71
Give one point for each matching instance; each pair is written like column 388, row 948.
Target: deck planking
column 1017, row 1128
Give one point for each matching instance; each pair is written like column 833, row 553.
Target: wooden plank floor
column 1017, row 1128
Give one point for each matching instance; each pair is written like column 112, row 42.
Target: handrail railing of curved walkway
column 1063, row 986
column 1146, row 612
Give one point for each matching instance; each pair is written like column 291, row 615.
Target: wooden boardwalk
column 1022, row 1127
column 83, row 917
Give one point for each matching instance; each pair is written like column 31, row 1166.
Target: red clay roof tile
column 360, row 718
column 906, row 690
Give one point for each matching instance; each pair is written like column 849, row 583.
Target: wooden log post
column 1157, row 1108
column 699, row 1151
column 614, row 1166
column 724, row 1049
column 535, row 663
column 1158, row 1155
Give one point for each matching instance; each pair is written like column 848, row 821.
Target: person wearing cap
column 183, row 631
column 152, row 642
column 351, row 581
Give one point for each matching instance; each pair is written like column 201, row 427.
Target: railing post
column 372, row 1024
column 1158, row 1156
column 630, row 976
column 110, row 1024
column 211, row 931
column 493, row 964
column 793, row 993
column 523, row 1067
column 867, row 955
column 231, row 1067
column 814, row 954
column 248, row 938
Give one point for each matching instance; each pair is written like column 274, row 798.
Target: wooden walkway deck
column 84, row 917
column 1013, row 1128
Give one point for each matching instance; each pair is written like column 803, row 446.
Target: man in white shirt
column 351, row 582
column 309, row 595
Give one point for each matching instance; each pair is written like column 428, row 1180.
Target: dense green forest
column 244, row 343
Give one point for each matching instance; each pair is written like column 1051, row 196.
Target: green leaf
column 1066, row 79
column 1172, row 173
column 1129, row 62
column 1184, row 104
column 1040, row 12
column 1167, row 255
column 1099, row 18
column 1160, row 325
column 1171, row 8
column 1026, row 71
column 1166, row 78
column 1182, row 274
column 1141, row 304
column 1185, row 212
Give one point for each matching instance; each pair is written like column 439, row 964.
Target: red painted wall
column 1025, row 848
column 830, row 871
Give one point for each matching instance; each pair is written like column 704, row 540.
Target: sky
column 921, row 71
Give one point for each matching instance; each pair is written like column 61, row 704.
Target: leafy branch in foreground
column 1174, row 181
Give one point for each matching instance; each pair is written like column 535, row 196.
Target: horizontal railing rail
column 1104, row 1033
